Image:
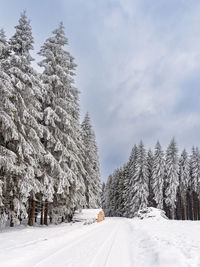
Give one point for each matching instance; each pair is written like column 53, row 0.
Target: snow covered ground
column 115, row 242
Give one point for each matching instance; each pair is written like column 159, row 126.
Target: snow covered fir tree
column 49, row 164
column 167, row 181
column 91, row 164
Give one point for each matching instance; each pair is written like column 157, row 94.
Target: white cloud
column 132, row 80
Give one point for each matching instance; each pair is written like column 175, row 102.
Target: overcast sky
column 138, row 67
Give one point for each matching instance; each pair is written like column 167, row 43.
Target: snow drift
column 151, row 213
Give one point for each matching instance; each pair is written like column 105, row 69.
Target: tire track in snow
column 120, row 253
column 115, row 251
column 49, row 260
column 105, row 249
column 39, row 246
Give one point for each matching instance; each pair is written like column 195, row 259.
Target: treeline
column 49, row 164
column 167, row 181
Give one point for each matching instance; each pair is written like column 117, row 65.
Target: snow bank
column 87, row 216
column 152, row 213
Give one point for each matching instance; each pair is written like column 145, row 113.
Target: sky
column 138, row 67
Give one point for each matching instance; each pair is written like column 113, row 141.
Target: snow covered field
column 115, row 242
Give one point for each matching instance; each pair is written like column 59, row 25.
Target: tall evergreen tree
column 114, row 201
column 121, row 196
column 91, row 164
column 171, row 177
column 158, row 175
column 9, row 135
column 194, row 181
column 26, row 106
column 61, row 117
column 103, row 195
column 129, row 183
column 150, row 162
column 109, row 191
column 125, row 212
column 184, row 179
column 140, row 188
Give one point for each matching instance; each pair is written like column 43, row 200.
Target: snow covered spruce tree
column 118, row 197
column 108, row 196
column 171, row 177
column 140, row 187
column 129, row 183
column 91, row 164
column 150, row 162
column 26, row 107
column 125, row 182
column 114, row 197
column 61, row 117
column 184, row 180
column 121, row 196
column 158, row 172
column 194, row 184
column 10, row 166
column 103, row 194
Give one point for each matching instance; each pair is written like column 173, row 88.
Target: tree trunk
column 11, row 216
column 32, row 214
column 42, row 214
column 192, row 206
column 36, row 213
column 185, row 206
column 11, row 221
column 46, row 213
column 189, row 216
column 179, row 206
column 172, row 212
column 196, row 204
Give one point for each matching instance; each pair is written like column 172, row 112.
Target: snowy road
column 116, row 242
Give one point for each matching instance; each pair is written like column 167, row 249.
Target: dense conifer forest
column 49, row 164
column 168, row 181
